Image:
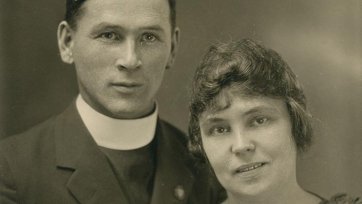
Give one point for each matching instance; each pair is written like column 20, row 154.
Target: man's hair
column 74, row 11
column 254, row 71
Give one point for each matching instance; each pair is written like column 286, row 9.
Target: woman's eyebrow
column 259, row 109
column 213, row 117
column 212, row 120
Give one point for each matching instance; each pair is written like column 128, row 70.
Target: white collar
column 120, row 134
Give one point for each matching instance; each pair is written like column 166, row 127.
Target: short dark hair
column 255, row 70
column 73, row 11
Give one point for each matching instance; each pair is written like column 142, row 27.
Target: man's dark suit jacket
column 59, row 162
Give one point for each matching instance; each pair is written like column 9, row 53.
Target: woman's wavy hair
column 257, row 71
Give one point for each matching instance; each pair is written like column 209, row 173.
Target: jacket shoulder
column 205, row 181
column 23, row 156
column 174, row 131
column 23, row 142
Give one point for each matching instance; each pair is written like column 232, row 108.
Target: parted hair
column 73, row 11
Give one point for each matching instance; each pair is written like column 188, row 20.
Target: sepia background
column 320, row 39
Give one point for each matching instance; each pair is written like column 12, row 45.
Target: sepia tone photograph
column 181, row 101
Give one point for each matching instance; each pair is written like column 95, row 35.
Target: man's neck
column 117, row 133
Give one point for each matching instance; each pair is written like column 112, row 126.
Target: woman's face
column 248, row 141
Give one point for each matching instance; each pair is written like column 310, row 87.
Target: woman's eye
column 109, row 36
column 219, row 130
column 148, row 37
column 260, row 121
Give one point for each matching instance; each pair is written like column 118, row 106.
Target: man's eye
column 148, row 37
column 109, row 36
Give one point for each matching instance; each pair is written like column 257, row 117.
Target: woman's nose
column 128, row 57
column 242, row 143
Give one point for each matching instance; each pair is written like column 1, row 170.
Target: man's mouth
column 126, row 84
column 126, row 87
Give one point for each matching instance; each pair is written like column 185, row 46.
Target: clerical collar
column 119, row 134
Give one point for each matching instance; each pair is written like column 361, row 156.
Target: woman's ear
column 65, row 42
column 174, row 47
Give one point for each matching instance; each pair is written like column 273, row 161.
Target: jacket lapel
column 92, row 180
column 173, row 180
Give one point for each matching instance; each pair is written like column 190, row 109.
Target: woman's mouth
column 249, row 167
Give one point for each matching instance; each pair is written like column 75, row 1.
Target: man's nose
column 242, row 143
column 128, row 57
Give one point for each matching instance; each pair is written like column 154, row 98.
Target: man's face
column 121, row 49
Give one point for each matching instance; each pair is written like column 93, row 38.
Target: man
column 108, row 146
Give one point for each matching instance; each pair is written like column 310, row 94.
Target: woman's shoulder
column 341, row 198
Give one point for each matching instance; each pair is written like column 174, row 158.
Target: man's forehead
column 129, row 7
column 127, row 13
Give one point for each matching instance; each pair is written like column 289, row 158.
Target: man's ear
column 174, row 47
column 65, row 42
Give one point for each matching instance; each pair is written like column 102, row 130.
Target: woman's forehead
column 225, row 97
column 245, row 99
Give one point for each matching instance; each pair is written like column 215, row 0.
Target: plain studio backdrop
column 320, row 39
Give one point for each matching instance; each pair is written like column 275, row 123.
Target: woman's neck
column 295, row 195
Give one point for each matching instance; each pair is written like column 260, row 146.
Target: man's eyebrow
column 153, row 27
column 103, row 25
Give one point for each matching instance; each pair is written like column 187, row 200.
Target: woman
column 249, row 121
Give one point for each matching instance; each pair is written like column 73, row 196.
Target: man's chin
column 130, row 111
